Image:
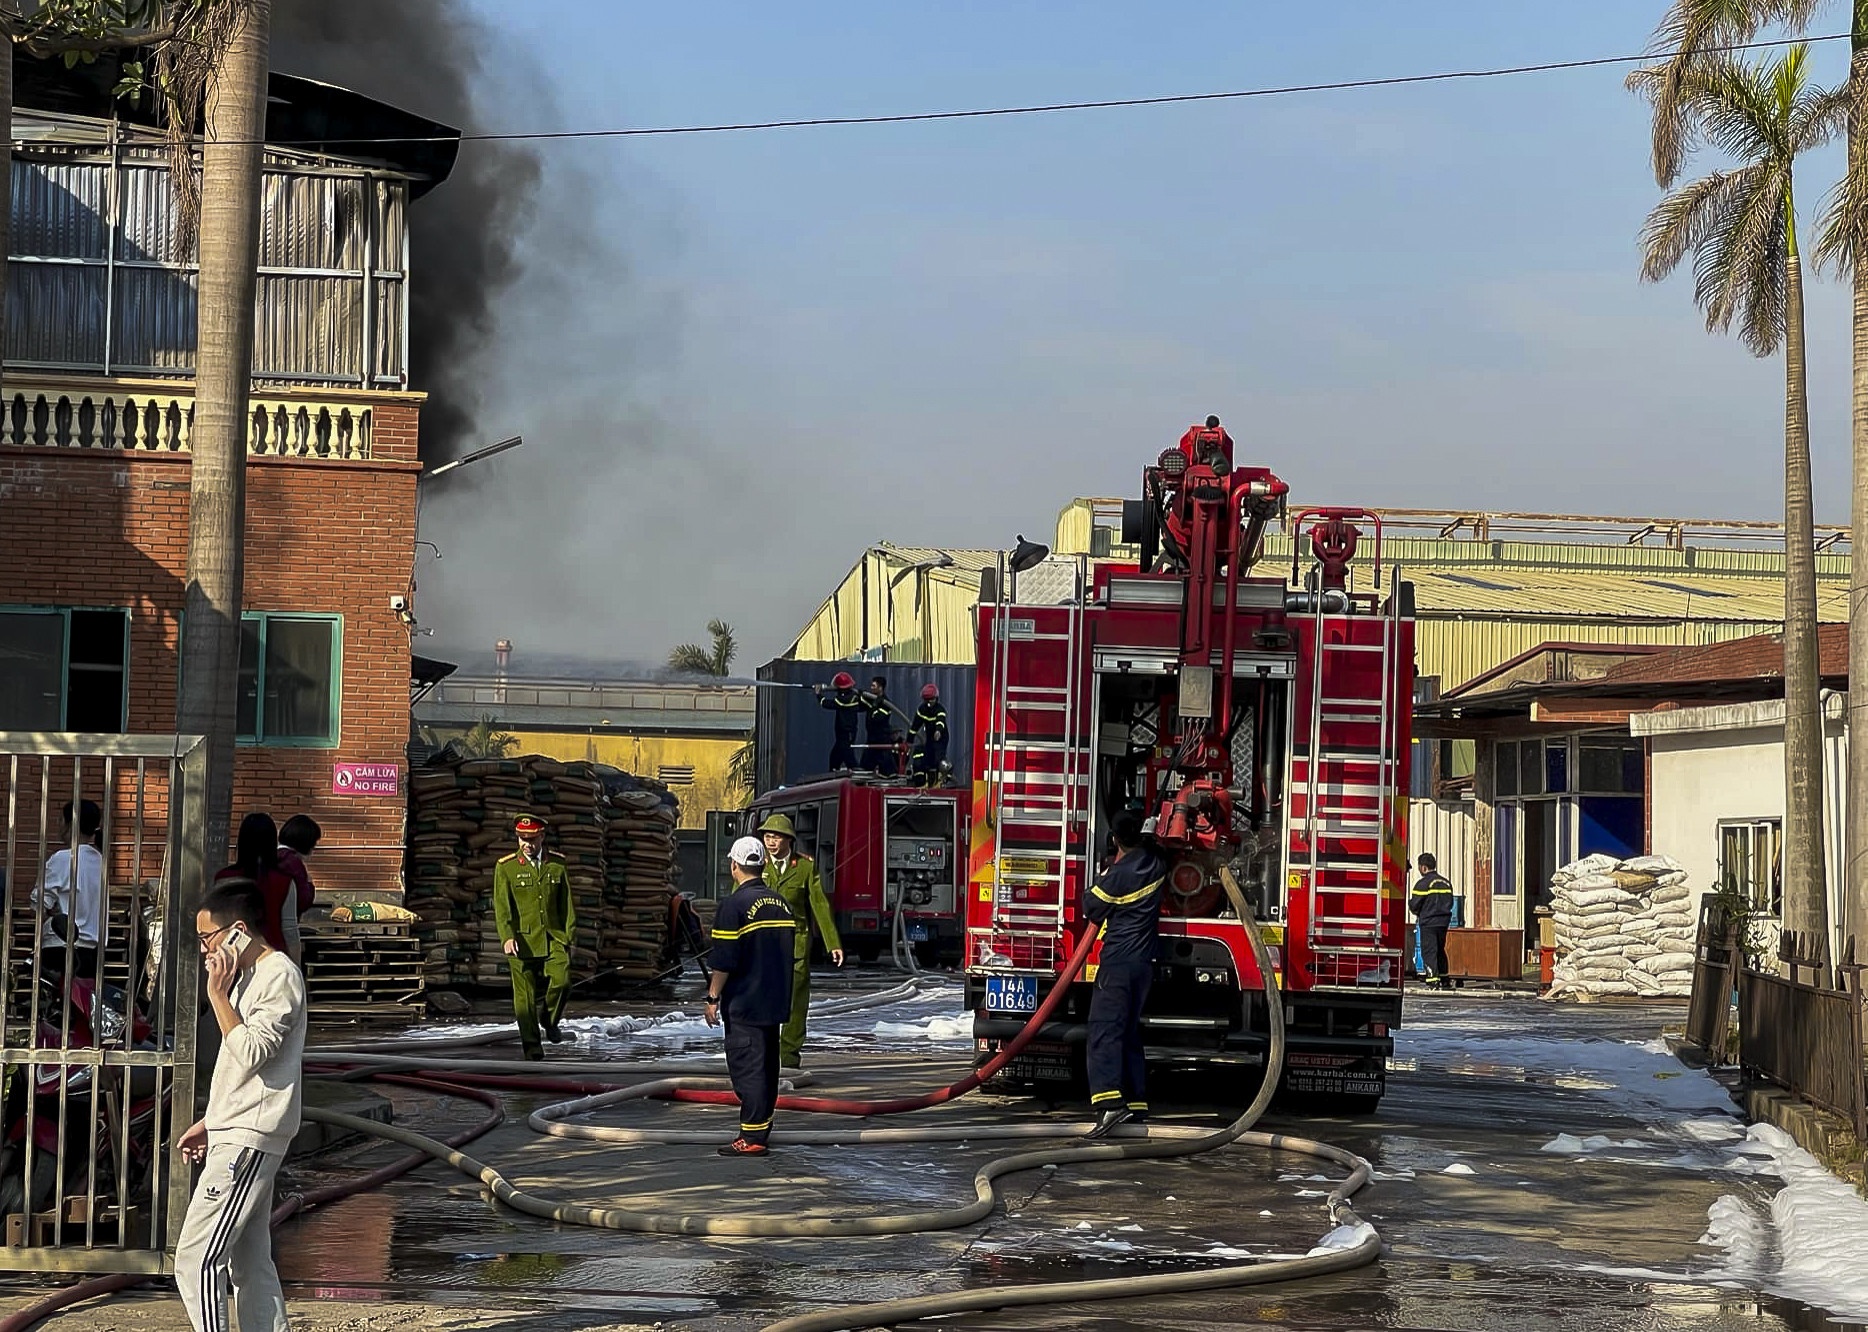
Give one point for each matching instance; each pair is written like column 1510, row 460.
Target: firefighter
column 1203, row 443
column 1125, row 900
column 795, row 878
column 848, row 707
column 751, row 988
column 879, row 728
column 930, row 737
column 533, row 911
column 1432, row 905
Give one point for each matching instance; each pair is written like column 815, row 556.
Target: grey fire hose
column 1363, row 1245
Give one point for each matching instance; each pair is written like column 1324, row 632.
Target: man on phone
column 258, row 998
column 533, row 911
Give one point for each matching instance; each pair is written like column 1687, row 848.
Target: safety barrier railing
column 99, row 990
column 1805, row 1036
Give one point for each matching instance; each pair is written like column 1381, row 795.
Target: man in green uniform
column 794, row 878
column 532, row 909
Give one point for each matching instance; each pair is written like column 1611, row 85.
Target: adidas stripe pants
column 226, row 1244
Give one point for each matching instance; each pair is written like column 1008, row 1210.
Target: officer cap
column 528, row 823
column 779, row 824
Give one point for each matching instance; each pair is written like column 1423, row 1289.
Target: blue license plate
column 917, row 931
column 1011, row 994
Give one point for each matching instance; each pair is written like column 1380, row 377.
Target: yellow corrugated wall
column 645, row 756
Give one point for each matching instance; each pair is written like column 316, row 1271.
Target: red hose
column 97, row 1287
column 902, row 1105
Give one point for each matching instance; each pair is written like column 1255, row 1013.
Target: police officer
column 751, row 989
column 532, row 910
column 930, row 734
column 879, row 729
column 1125, row 900
column 795, row 878
column 1432, row 905
column 849, row 709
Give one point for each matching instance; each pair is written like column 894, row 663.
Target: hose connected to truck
column 1361, row 1244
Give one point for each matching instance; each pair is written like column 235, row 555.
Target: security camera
column 398, row 603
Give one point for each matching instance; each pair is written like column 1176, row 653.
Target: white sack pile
column 1623, row 928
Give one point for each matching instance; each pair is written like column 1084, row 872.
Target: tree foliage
column 716, row 660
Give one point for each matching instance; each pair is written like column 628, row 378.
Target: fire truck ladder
column 1030, row 923
column 1353, row 739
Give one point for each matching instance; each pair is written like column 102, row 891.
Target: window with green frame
column 63, row 668
column 291, row 675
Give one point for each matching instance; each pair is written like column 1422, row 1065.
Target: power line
column 1047, row 108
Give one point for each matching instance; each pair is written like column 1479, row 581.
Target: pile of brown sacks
column 619, row 857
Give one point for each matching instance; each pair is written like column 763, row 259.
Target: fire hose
column 1359, row 1244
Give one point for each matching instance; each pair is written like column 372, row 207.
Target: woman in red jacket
column 256, row 859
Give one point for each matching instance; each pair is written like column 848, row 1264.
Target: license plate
column 1011, row 994
column 917, row 931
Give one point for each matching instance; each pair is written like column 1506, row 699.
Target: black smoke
column 427, row 57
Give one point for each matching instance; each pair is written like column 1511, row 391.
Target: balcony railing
column 150, row 419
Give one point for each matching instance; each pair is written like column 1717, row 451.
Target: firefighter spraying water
column 1256, row 720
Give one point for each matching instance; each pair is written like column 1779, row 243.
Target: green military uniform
column 532, row 904
column 803, row 892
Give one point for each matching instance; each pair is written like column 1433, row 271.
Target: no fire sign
column 366, row 779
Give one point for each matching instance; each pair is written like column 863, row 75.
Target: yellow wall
column 644, row 755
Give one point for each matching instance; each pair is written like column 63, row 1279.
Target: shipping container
column 794, row 734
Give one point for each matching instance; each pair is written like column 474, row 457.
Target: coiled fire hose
column 1362, row 1245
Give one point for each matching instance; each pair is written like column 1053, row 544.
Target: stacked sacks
column 1623, row 928
column 639, row 842
column 460, row 825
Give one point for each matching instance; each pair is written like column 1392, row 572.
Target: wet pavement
column 1544, row 1168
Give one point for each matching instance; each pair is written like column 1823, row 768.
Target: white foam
column 1459, row 1168
column 1344, row 1237
column 1822, row 1231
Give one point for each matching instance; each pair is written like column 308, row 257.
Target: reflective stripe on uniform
column 1127, row 899
column 1099, row 1097
column 786, row 924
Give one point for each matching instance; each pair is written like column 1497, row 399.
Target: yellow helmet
column 780, row 824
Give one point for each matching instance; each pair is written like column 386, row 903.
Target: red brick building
column 94, row 458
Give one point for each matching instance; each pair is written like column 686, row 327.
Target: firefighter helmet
column 843, row 680
column 930, row 691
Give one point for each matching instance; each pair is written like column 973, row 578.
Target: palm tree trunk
column 1855, row 875
column 229, row 256
column 1806, row 892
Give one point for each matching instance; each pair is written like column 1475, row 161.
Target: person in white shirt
column 72, row 894
column 253, row 1113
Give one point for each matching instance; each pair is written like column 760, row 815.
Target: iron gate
column 99, row 988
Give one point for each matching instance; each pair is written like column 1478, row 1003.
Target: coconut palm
column 1740, row 226
column 486, row 741
column 693, row 659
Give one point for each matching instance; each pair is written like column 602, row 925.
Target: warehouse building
column 95, row 447
column 686, row 734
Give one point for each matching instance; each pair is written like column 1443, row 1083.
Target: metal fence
column 1804, row 1035
column 1715, row 967
column 99, row 988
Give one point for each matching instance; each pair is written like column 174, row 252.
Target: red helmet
column 843, row 680
column 930, row 691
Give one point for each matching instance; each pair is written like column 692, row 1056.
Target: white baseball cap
column 748, row 853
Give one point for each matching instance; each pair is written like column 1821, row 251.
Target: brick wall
column 105, row 529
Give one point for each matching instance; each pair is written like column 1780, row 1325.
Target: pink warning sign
column 366, row 779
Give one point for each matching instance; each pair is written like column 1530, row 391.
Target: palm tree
column 235, row 129
column 1740, row 226
column 486, row 741
column 692, row 659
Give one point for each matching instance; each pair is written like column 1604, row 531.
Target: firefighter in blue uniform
column 879, row 729
column 1125, row 900
column 848, row 706
column 930, row 737
column 751, row 989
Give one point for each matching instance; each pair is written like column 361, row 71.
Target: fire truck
column 1257, row 718
column 889, row 855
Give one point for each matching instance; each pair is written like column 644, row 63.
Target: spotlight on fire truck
column 1028, row 554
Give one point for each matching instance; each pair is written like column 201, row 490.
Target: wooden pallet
column 363, row 968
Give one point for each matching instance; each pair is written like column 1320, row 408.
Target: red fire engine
column 889, row 856
column 1258, row 718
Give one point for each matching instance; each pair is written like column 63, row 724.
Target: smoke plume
column 426, row 57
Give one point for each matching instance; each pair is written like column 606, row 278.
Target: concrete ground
column 1484, row 1227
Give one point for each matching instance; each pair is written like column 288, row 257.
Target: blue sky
column 742, row 358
